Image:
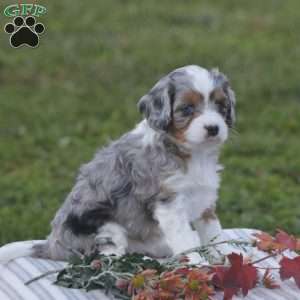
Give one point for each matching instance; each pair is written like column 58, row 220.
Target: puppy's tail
column 15, row 250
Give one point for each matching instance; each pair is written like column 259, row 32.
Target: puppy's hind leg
column 111, row 238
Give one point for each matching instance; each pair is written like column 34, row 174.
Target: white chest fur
column 197, row 186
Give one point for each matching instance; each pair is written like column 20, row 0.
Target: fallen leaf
column 268, row 280
column 286, row 240
column 238, row 276
column 290, row 267
column 265, row 242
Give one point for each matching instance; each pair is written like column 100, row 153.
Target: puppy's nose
column 212, row 130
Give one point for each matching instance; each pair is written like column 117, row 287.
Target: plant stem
column 267, row 268
column 43, row 275
column 202, row 248
column 264, row 258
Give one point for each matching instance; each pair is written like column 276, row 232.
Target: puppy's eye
column 188, row 110
column 222, row 107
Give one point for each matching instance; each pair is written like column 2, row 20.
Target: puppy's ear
column 221, row 80
column 157, row 104
column 230, row 116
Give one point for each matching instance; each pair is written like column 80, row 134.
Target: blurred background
column 79, row 89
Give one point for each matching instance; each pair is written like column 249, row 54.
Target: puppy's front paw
column 113, row 250
column 111, row 239
column 105, row 245
column 196, row 259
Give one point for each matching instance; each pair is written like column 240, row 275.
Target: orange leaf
column 266, row 242
column 171, row 283
column 268, row 280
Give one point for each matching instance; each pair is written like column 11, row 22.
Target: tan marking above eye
column 193, row 97
column 179, row 122
column 218, row 96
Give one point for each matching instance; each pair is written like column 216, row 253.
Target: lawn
column 63, row 100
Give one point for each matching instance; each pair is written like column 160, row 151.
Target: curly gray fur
column 123, row 181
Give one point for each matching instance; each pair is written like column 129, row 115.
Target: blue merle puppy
column 153, row 189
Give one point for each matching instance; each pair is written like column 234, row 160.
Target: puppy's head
column 192, row 104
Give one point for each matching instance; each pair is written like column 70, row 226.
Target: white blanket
column 15, row 273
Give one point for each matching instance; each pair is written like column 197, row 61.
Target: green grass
column 63, row 100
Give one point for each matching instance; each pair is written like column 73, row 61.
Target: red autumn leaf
column 238, row 276
column 298, row 245
column 268, row 280
column 288, row 241
column 218, row 281
column 218, row 277
column 229, row 293
column 290, row 267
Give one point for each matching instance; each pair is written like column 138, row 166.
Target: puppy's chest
column 196, row 188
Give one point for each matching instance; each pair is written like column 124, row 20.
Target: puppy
column 150, row 190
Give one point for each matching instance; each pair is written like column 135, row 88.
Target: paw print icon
column 24, row 32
